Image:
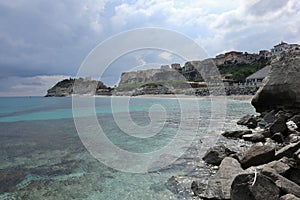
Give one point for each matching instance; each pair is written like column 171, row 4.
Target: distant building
column 280, row 48
column 258, row 76
column 175, row 66
column 233, row 53
column 265, row 53
column 165, row 67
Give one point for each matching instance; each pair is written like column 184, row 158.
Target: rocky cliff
column 150, row 75
column 81, row 86
column 281, row 88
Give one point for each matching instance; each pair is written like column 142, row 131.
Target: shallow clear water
column 42, row 156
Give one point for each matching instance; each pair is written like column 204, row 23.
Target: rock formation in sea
column 80, row 86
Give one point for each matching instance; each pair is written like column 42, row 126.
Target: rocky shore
column 205, row 91
column 269, row 168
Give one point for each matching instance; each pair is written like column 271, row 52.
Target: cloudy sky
column 45, row 41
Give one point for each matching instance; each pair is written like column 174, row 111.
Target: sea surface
column 42, row 155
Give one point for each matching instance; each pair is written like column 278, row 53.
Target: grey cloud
column 264, row 7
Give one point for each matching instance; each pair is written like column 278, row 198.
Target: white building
column 279, row 48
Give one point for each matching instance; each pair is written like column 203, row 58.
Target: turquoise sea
column 42, row 156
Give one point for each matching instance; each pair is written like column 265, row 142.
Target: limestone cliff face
column 282, row 87
column 150, row 75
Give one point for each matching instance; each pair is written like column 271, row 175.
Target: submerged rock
column 10, row 179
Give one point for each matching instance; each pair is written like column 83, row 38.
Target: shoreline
column 182, row 96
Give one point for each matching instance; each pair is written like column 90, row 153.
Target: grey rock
column 249, row 120
column 249, row 187
column 257, row 155
column 218, row 187
column 279, row 166
column 296, row 120
column 216, row 154
column 283, row 183
column 269, row 117
column 278, row 137
column 293, row 175
column 279, row 126
column 180, row 185
column 236, row 134
column 289, row 197
column 255, row 137
column 288, row 151
column 281, row 88
column 293, row 137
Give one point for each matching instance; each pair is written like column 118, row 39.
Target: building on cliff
column 258, row 76
column 277, row 49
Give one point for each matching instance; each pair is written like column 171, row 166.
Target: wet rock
column 279, row 126
column 236, row 134
column 253, row 187
column 249, row 120
column 257, row 155
column 283, row 183
column 288, row 150
column 9, row 180
column 289, row 197
column 216, row 154
column 218, row 187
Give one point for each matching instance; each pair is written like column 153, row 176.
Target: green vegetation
column 167, row 83
column 240, row 71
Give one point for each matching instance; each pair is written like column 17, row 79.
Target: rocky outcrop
column 254, row 187
column 257, row 155
column 81, row 86
column 281, row 89
column 216, row 154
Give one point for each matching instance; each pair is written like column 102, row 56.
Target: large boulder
column 281, row 88
column 283, row 183
column 254, row 187
column 289, row 197
column 257, row 155
column 288, row 150
column 218, row 187
column 216, row 154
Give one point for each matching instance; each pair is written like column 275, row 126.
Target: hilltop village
column 240, row 72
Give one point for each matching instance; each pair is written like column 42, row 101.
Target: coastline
column 182, row 96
